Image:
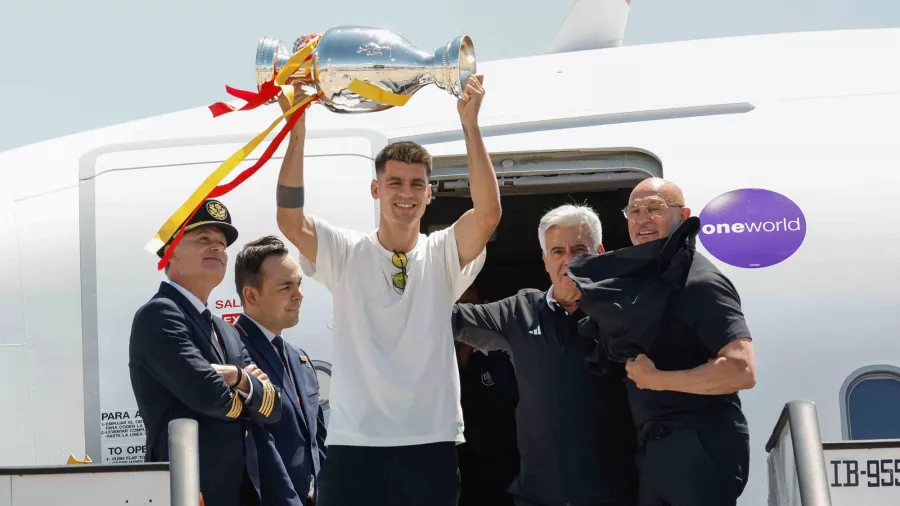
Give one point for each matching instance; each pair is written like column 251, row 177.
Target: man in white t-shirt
column 395, row 411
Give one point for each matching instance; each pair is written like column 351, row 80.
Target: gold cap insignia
column 216, row 210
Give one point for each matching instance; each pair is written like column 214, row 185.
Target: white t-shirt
column 395, row 380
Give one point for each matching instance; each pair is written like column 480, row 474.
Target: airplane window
column 872, row 404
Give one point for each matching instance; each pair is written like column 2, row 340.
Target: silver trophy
column 372, row 55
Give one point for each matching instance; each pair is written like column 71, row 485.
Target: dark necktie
column 208, row 317
column 278, row 342
column 279, row 345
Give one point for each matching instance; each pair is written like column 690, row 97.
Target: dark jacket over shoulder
column 291, row 458
column 575, row 432
column 626, row 292
column 665, row 300
column 170, row 357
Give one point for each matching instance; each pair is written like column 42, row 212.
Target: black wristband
column 240, row 377
column 289, row 197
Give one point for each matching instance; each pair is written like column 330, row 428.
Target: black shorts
column 419, row 475
column 686, row 467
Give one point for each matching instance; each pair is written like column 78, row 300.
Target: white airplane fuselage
column 799, row 126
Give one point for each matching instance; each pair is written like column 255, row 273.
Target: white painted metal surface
column 134, row 488
column 784, row 490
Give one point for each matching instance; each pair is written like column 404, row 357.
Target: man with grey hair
column 570, row 231
column 576, row 436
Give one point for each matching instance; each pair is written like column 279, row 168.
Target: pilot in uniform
column 186, row 363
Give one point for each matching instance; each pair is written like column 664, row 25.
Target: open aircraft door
column 125, row 194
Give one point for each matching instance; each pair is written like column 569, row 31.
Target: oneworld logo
column 759, row 226
column 752, row 228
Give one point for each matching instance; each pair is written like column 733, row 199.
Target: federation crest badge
column 486, row 378
column 216, row 210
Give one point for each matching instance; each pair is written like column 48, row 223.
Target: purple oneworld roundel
column 752, row 228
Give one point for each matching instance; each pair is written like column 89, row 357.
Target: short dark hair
column 248, row 264
column 403, row 151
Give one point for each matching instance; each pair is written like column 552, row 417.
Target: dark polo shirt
column 576, row 435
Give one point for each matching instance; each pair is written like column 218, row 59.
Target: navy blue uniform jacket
column 296, row 450
column 170, row 357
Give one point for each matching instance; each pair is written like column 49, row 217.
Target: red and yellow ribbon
column 269, row 89
column 376, row 94
column 210, row 187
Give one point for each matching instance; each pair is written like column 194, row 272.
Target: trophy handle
column 456, row 62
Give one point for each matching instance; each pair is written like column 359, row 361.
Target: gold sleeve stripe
column 270, row 390
column 265, row 407
column 236, row 407
column 271, row 399
column 262, row 403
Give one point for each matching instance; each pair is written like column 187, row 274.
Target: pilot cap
column 211, row 213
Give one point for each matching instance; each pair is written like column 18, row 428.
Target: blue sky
column 73, row 66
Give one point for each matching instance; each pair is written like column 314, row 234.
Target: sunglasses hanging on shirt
column 399, row 279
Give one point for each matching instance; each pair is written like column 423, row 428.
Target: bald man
column 655, row 208
column 686, row 347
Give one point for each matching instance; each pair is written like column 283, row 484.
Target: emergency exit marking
column 877, row 473
column 230, row 318
column 123, row 435
column 124, row 454
column 228, row 304
column 131, row 450
column 121, row 424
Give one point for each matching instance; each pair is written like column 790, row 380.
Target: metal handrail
column 812, row 477
column 184, row 462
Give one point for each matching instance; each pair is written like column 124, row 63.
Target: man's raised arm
column 475, row 227
column 292, row 221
